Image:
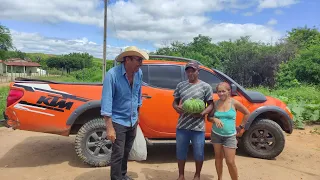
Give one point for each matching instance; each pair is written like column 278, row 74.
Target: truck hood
column 275, row 101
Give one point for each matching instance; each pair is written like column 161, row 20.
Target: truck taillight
column 13, row 96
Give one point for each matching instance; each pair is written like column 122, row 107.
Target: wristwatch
column 241, row 127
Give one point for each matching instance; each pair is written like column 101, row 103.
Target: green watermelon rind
column 193, row 106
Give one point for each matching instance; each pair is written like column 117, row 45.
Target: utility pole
column 104, row 40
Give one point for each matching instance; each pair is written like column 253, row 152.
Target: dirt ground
column 2, row 84
column 36, row 156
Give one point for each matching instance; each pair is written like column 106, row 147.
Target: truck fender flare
column 285, row 118
column 81, row 109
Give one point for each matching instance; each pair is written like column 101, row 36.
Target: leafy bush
column 71, row 61
column 3, row 96
column 307, row 65
column 93, row 74
column 303, row 101
column 285, row 77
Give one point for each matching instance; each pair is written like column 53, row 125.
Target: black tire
column 255, row 139
column 91, row 137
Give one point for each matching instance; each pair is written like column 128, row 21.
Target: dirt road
column 2, row 84
column 36, row 156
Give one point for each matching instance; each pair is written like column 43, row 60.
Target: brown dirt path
column 36, row 156
column 2, row 84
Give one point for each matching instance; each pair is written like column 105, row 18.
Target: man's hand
column 218, row 122
column 197, row 115
column 178, row 109
column 111, row 134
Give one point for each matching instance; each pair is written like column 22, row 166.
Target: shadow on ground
column 42, row 150
column 154, row 174
column 101, row 174
column 147, row 173
column 46, row 150
column 166, row 153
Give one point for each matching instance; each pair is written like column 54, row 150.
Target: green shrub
column 285, row 77
column 303, row 101
column 3, row 99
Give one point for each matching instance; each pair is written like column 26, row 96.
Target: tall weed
column 3, row 99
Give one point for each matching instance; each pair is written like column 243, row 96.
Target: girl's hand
column 239, row 128
column 218, row 122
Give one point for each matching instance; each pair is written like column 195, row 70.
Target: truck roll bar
column 154, row 56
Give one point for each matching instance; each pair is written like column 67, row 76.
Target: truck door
column 157, row 116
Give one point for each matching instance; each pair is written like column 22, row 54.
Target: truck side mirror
column 233, row 90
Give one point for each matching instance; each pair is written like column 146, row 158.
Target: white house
column 17, row 66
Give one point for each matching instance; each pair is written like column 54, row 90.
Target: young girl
column 224, row 130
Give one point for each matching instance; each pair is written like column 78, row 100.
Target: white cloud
column 264, row 4
column 142, row 20
column 34, row 42
column 178, row 20
column 272, row 22
column 53, row 11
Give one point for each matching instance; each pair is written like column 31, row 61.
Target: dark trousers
column 120, row 150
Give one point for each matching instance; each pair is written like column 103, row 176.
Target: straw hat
column 132, row 51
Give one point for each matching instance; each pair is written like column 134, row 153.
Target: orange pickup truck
column 74, row 109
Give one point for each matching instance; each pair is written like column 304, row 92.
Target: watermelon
column 193, row 105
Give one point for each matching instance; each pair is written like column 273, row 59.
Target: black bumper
column 4, row 122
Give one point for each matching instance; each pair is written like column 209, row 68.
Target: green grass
column 3, row 99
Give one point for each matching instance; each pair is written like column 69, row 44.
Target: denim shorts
column 183, row 138
column 226, row 141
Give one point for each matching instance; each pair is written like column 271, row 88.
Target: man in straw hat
column 120, row 103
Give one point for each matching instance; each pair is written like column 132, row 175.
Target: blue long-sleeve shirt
column 119, row 101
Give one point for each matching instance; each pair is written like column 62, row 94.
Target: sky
column 65, row 26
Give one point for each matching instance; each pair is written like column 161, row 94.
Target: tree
column 304, row 37
column 70, row 61
column 5, row 39
column 307, row 65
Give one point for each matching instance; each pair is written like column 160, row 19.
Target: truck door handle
column 146, row 96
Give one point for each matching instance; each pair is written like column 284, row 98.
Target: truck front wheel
column 91, row 144
column 264, row 139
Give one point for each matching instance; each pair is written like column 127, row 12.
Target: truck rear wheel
column 91, row 144
column 264, row 139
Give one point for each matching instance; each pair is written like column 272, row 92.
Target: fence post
column 11, row 73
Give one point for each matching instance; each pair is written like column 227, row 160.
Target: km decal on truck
column 54, row 101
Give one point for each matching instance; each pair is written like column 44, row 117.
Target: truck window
column 209, row 78
column 164, row 76
column 144, row 69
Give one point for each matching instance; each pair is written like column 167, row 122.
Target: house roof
column 20, row 62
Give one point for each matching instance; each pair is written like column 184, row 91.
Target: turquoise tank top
column 228, row 119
